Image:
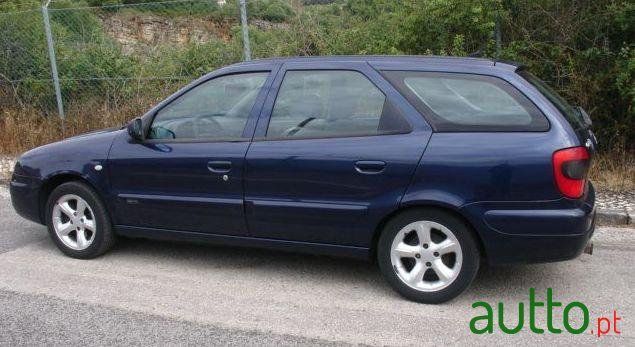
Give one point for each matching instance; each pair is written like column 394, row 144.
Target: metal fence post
column 51, row 49
column 243, row 24
column 497, row 34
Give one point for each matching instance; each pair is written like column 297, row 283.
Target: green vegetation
column 583, row 49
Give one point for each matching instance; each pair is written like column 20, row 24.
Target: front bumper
column 25, row 197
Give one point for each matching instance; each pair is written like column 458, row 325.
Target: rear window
column 468, row 102
column 573, row 116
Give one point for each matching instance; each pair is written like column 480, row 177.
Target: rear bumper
column 534, row 232
column 25, row 197
column 511, row 249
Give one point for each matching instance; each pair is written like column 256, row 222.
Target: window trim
column 397, row 79
column 187, row 89
column 338, row 136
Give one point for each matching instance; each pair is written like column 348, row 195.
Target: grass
column 24, row 129
column 21, row 130
column 614, row 171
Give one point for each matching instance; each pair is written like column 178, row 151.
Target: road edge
column 612, row 217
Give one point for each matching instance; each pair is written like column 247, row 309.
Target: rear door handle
column 219, row 167
column 370, row 167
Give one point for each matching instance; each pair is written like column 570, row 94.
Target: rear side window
column 468, row 102
column 332, row 103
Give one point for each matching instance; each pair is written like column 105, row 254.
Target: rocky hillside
column 138, row 31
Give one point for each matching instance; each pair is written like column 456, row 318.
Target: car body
column 295, row 189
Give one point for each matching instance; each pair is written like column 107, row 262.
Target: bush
column 584, row 49
column 271, row 10
column 200, row 59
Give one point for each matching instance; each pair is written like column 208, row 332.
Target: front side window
column 323, row 103
column 466, row 102
column 216, row 109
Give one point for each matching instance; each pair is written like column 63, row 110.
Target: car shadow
column 513, row 280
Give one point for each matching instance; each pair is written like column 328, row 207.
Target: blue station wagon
column 429, row 166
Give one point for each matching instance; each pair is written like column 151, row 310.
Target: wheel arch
column 426, row 205
column 53, row 181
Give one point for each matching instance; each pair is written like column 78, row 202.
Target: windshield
column 573, row 116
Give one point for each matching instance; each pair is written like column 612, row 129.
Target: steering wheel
column 212, row 123
column 294, row 130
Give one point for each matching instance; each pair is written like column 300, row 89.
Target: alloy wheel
column 74, row 222
column 426, row 256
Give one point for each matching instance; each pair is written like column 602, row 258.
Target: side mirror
column 135, row 129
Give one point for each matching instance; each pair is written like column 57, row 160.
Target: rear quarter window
column 575, row 118
column 468, row 102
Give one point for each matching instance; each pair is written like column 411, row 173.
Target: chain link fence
column 70, row 66
column 114, row 59
column 117, row 58
column 22, row 39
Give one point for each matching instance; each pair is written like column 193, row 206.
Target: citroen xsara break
column 428, row 165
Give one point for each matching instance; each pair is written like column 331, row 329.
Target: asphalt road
column 145, row 292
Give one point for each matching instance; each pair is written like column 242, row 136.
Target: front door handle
column 370, row 167
column 219, row 167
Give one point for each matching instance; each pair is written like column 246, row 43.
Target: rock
column 137, row 32
column 266, row 25
column 6, row 167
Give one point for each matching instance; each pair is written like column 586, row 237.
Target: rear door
column 334, row 151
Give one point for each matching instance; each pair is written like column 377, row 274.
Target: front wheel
column 428, row 255
column 78, row 222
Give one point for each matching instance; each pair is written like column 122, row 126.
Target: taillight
column 570, row 169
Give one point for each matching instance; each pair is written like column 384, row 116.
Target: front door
column 334, row 151
column 187, row 175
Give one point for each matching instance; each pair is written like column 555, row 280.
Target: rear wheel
column 428, row 255
column 78, row 222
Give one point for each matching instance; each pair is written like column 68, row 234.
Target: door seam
column 275, row 71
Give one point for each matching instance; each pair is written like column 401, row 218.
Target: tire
column 435, row 270
column 81, row 235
